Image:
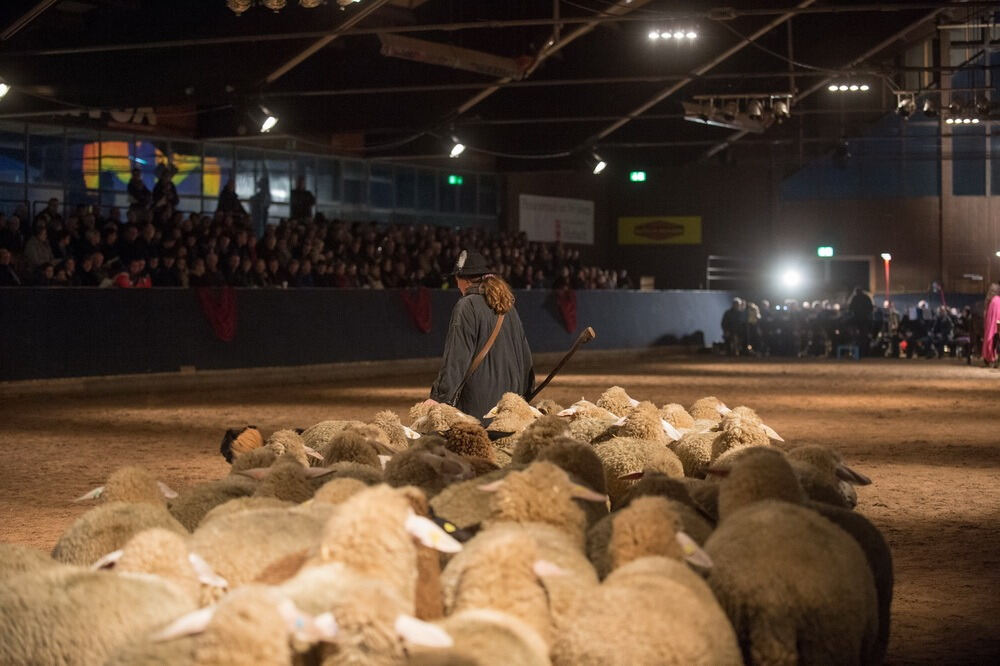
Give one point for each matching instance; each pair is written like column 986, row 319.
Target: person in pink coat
column 991, row 322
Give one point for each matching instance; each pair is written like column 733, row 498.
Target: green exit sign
column 455, row 179
column 637, row 176
column 824, row 251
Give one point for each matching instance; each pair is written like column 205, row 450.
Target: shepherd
column 485, row 351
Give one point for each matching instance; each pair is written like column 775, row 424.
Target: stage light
column 832, row 87
column 4, row 88
column 679, row 34
column 655, row 34
column 755, row 110
column 906, row 107
column 886, row 256
column 780, row 109
column 950, row 121
column 730, row 110
column 457, row 147
column 975, row 121
column 998, row 253
column 791, row 278
column 929, row 109
column 597, row 164
column 853, row 87
column 842, row 87
column 865, row 87
column 263, row 119
column 966, row 121
column 691, row 34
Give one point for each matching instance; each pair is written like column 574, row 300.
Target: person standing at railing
column 165, row 192
column 139, row 196
column 302, row 201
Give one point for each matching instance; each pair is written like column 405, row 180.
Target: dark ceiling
column 72, row 55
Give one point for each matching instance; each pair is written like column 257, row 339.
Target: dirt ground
column 926, row 432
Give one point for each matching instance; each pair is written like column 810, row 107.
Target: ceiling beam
column 670, row 90
column 27, row 17
column 717, row 14
column 885, row 43
column 356, row 17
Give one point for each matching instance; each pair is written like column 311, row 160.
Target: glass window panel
column 217, row 169
column 12, row 196
column 115, row 162
column 426, row 189
column 46, row 155
column 380, row 191
column 467, row 194
column 277, row 173
column 148, row 156
column 11, row 156
column 83, row 152
column 190, row 205
column 186, row 158
column 305, row 166
column 249, row 167
column 488, row 195
column 406, row 187
column 328, row 180
column 447, row 194
column 354, row 180
column 995, row 163
column 968, row 145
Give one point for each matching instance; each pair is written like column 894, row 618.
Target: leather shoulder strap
column 477, row 361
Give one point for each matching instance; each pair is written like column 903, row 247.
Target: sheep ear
column 492, row 414
column 535, row 410
column 693, row 553
column 771, row 433
column 185, row 625
column 632, row 476
column 671, row 431
column 427, row 532
column 167, row 491
column 569, row 411
column 258, row 473
column 620, row 422
column 316, row 472
column 722, row 409
column 93, row 494
column 492, row 486
column 721, row 472
column 633, row 402
column 583, row 492
column 543, row 568
column 313, row 453
column 108, row 561
column 383, row 460
column 410, row 433
column 418, row 632
column 326, row 626
column 847, row 474
column 205, row 572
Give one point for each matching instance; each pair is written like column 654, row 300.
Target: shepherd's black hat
column 471, row 264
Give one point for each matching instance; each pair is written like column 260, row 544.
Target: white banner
column 552, row 219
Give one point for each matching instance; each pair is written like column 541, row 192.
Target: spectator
column 260, row 203
column 10, row 235
column 229, row 201
column 733, row 325
column 8, row 276
column 213, row 277
column 139, row 196
column 165, row 275
column 260, row 274
column 165, row 197
column 135, row 277
column 45, row 276
column 302, row 200
column 37, row 250
column 942, row 332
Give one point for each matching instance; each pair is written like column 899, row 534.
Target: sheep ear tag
column 93, row 494
column 108, row 561
column 186, row 625
column 771, row 433
column 633, row 402
column 620, row 422
column 693, row 552
column 205, row 572
column 492, row 414
column 429, row 534
column 167, row 491
column 418, row 632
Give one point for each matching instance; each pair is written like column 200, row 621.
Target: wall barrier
column 50, row 333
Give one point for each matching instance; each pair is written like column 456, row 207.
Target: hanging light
column 239, row 6
column 4, row 88
column 755, row 110
column 274, row 5
column 597, row 164
column 928, row 108
column 730, row 110
column 263, row 119
column 906, row 107
column 311, row 4
column 457, row 147
column 780, row 109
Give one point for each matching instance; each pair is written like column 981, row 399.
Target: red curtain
column 219, row 308
column 566, row 299
column 418, row 304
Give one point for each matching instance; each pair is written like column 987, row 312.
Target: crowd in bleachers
column 154, row 245
column 825, row 328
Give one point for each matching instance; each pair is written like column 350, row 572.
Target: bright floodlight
column 791, row 278
column 998, row 253
column 679, row 34
column 457, row 149
column 833, row 87
column 842, row 87
column 666, row 34
column 853, row 87
column 655, row 34
column 975, row 121
column 598, row 164
column 886, row 256
column 4, row 88
column 692, row 34
column 950, row 121
column 864, row 87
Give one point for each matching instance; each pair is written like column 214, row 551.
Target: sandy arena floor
column 926, row 432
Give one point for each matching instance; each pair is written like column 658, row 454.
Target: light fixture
column 597, row 164
column 832, row 87
column 998, row 253
column 678, row 34
column 691, row 34
column 755, row 110
column 842, row 87
column 950, row 121
column 655, row 34
column 780, row 109
column 853, row 87
column 928, row 108
column 457, row 147
column 263, row 119
column 730, row 110
column 4, row 88
column 274, row 5
column 791, row 278
column 886, row 256
column 906, row 106
column 238, row 6
column 864, row 87
column 848, row 87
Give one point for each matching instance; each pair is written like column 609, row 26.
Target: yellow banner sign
column 661, row 230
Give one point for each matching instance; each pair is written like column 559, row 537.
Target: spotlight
column 457, row 147
column 950, row 121
column 654, row 34
column 679, row 34
column 791, row 278
column 832, row 87
column 4, row 88
column 842, row 87
column 886, row 256
column 982, row 106
column 975, row 121
column 263, row 119
column 929, row 109
column 691, row 34
column 666, row 34
column 597, row 164
column 853, row 87
column 755, row 110
column 998, row 253
column 780, row 109
column 966, row 121
column 864, row 87
column 906, row 107
column 730, row 110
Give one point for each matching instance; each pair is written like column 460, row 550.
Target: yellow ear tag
column 449, row 528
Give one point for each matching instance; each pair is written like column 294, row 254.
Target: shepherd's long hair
column 994, row 290
column 496, row 292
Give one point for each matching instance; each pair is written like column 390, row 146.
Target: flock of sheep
column 612, row 532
